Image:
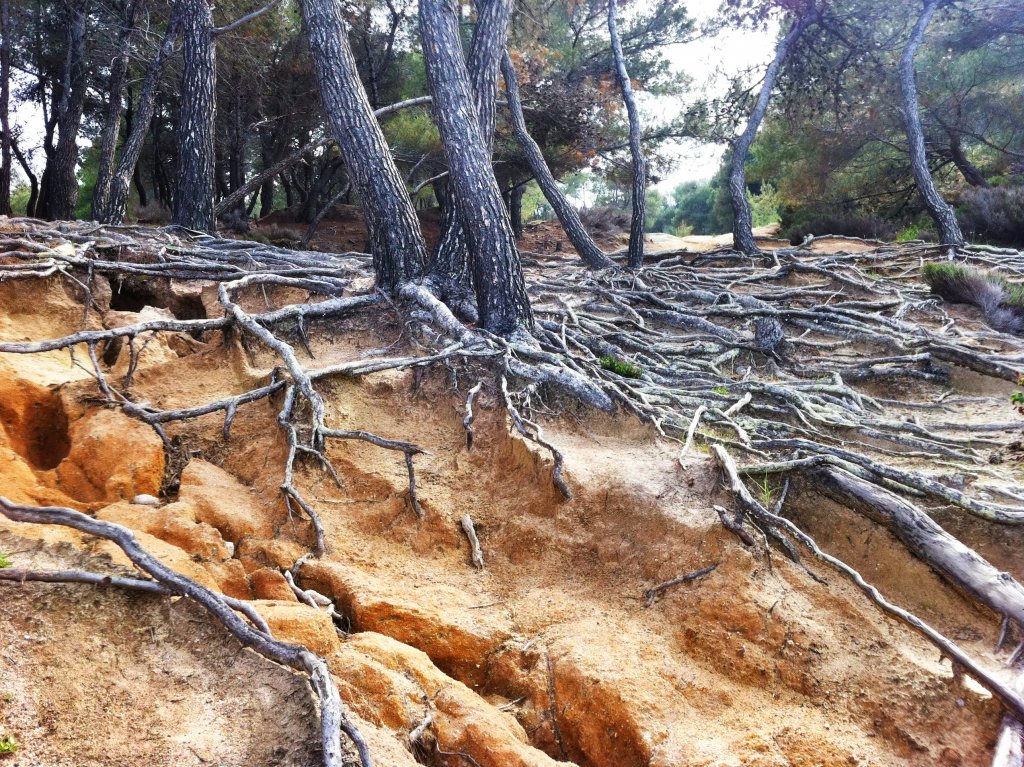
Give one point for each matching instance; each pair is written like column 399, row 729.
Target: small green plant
column 5, row 560
column 765, row 491
column 911, row 233
column 8, row 745
column 620, row 367
column 724, row 391
column 7, row 697
column 1017, row 398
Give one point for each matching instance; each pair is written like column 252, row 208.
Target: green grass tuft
column 620, row 367
column 5, row 560
column 724, row 391
column 8, row 745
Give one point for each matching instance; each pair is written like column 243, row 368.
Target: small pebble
column 146, row 500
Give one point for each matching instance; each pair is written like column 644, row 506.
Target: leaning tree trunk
column 120, row 184
column 59, row 193
column 940, row 211
column 6, row 154
column 972, row 175
column 193, row 194
column 396, row 240
column 497, row 274
column 636, row 226
column 567, row 215
column 33, row 182
column 449, row 268
column 743, row 218
column 112, row 114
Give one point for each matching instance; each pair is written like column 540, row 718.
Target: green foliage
column 764, row 491
column 5, row 559
column 1017, row 398
column 8, row 745
column 909, row 233
column 620, row 367
column 19, row 200
column 721, row 390
column 689, row 209
column 764, row 206
column 535, row 204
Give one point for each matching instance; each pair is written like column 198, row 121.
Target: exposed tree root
column 333, row 720
column 770, row 360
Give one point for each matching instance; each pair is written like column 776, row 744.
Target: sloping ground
column 550, row 654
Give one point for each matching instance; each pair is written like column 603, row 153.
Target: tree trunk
column 33, row 182
column 450, row 263
column 940, row 211
column 112, row 114
column 636, row 226
column 743, row 218
column 515, row 208
column 567, row 215
column 969, row 170
column 6, row 155
column 120, row 184
column 497, row 274
column 59, row 192
column 193, row 194
column 396, row 240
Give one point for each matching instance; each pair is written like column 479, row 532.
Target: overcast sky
column 708, row 62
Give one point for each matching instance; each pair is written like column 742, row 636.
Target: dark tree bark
column 972, row 175
column 449, row 268
column 579, row 237
column 636, row 225
column 120, row 183
column 193, row 194
column 58, row 194
column 743, row 218
column 6, row 154
column 940, row 211
column 33, row 182
column 515, row 208
column 396, row 240
column 112, row 113
column 497, row 274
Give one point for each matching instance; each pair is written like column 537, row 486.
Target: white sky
column 708, row 62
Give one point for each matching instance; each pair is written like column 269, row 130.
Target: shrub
column 798, row 223
column 1001, row 302
column 619, row 367
column 995, row 214
column 605, row 221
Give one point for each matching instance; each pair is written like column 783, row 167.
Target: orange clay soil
column 548, row 655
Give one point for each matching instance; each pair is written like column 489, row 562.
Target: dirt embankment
column 547, row 655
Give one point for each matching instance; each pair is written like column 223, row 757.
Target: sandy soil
column 547, row 655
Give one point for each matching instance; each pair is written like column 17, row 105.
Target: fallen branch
column 651, row 595
column 1009, row 697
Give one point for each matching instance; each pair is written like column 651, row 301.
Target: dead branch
column 651, row 595
column 477, row 554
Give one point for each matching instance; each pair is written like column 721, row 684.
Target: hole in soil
column 39, row 429
column 131, row 296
